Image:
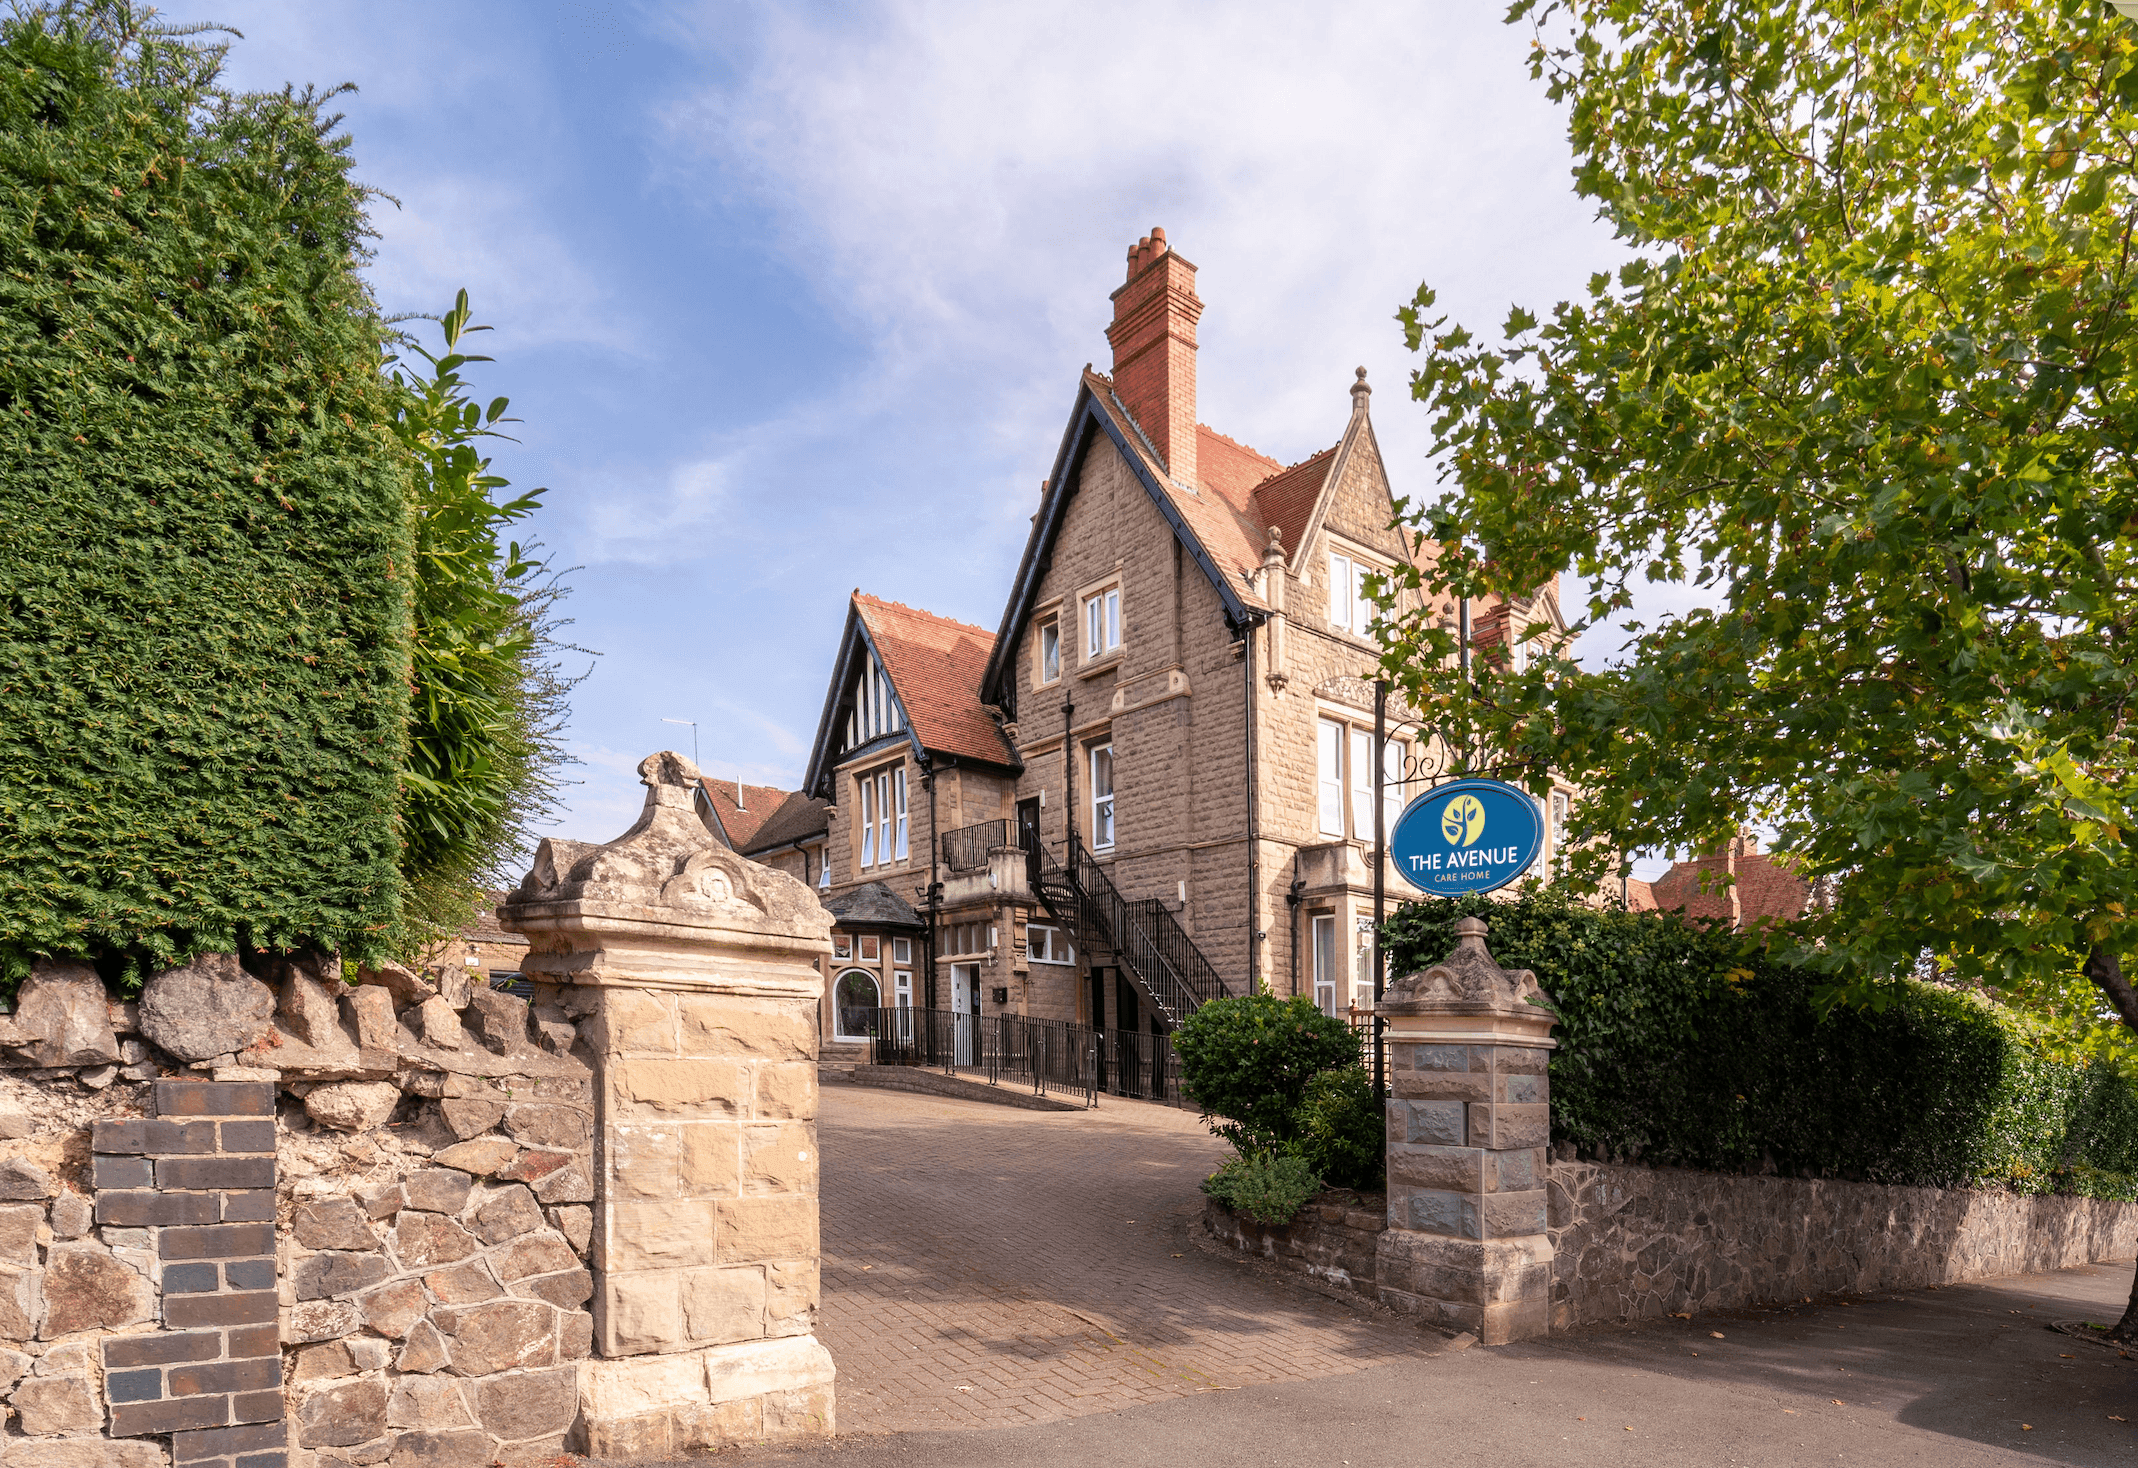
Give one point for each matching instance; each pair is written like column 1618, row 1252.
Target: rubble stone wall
column 1332, row 1239
column 291, row 1224
column 1632, row 1242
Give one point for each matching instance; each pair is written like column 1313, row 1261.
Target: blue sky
column 792, row 298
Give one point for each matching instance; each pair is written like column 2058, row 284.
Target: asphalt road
column 1959, row 1376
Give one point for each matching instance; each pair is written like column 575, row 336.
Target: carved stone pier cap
column 663, row 887
column 1467, row 996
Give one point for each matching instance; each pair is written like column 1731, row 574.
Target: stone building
column 1154, row 781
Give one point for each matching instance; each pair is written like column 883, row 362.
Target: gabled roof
column 934, row 664
column 799, row 818
column 1287, row 500
column 1765, row 891
column 738, row 821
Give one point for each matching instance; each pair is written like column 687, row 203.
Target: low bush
column 1269, row 1187
column 1342, row 1131
column 1247, row 1061
column 1690, row 1047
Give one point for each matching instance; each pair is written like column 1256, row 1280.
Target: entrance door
column 965, row 1011
column 1028, row 837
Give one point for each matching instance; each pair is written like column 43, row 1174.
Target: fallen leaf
column 2026, row 1427
column 1789, row 1411
column 1839, row 1403
column 964, row 1388
column 1629, row 1429
column 1716, row 1334
column 2115, row 1419
column 2063, row 1355
column 1679, row 1315
column 1176, row 1256
column 1696, row 1353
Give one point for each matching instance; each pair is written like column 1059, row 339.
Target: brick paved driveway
column 985, row 1267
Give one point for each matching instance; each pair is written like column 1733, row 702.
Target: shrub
column 204, row 538
column 1696, row 1048
column 1247, row 1061
column 1342, row 1129
column 1269, row 1187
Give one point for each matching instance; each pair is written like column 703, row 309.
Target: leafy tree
column 489, row 702
column 1866, row 376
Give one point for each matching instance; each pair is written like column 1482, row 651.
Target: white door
column 965, row 1007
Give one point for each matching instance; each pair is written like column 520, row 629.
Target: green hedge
column 204, row 537
column 1693, row 1048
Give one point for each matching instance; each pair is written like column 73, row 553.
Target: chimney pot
column 1153, row 337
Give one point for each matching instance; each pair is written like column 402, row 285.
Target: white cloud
column 963, row 182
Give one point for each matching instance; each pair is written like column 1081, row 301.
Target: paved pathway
column 986, row 1267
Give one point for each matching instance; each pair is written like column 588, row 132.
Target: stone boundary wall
column 1632, row 1242
column 1331, row 1240
column 1635, row 1242
column 291, row 1224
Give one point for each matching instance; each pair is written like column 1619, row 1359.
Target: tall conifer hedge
column 204, row 539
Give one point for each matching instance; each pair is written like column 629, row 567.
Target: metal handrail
column 1145, row 934
column 1049, row 1055
column 966, row 849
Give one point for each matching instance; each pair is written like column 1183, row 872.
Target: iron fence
column 1047, row 1055
column 966, row 849
column 1050, row 1056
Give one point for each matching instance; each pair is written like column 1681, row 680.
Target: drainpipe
column 1255, row 934
column 935, row 886
column 1291, row 900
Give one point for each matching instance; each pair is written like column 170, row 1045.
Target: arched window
column 854, row 1002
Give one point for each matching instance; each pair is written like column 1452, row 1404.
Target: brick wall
column 198, row 1180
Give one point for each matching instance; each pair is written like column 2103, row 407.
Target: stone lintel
column 1407, row 1026
column 784, row 972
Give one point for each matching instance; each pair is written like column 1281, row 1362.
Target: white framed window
column 1047, row 944
column 1050, row 650
column 902, row 989
column 1102, row 797
column 1326, row 971
column 991, row 937
column 1362, row 967
column 1350, row 609
column 1102, row 623
column 1555, row 837
column 824, row 867
column 898, row 795
column 1360, row 770
column 901, row 950
column 871, row 948
column 1392, row 802
column 855, row 998
column 1329, row 776
column 868, row 821
column 883, row 818
column 842, row 945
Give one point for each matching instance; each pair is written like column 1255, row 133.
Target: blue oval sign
column 1470, row 836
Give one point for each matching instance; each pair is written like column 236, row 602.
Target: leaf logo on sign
column 1463, row 821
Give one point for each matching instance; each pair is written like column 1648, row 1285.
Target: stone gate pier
column 691, row 975
column 1469, row 1121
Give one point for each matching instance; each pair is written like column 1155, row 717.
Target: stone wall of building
column 1632, row 1242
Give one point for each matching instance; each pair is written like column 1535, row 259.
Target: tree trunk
column 2105, row 968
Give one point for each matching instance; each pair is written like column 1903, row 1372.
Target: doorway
column 1028, row 837
column 965, row 1012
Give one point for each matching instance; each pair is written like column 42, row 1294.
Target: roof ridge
column 1242, row 447
column 922, row 612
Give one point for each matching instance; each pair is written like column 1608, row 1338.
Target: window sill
column 1098, row 665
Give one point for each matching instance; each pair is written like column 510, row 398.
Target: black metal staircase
column 1149, row 941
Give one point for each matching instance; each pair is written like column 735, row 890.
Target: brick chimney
column 1153, row 337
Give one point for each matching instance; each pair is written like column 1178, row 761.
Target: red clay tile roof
column 936, row 665
column 1765, row 890
column 1287, row 499
column 1640, row 895
column 800, row 818
column 741, row 821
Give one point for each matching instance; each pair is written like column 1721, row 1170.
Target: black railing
column 966, row 849
column 1145, row 1068
column 1146, row 936
column 1047, row 1055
